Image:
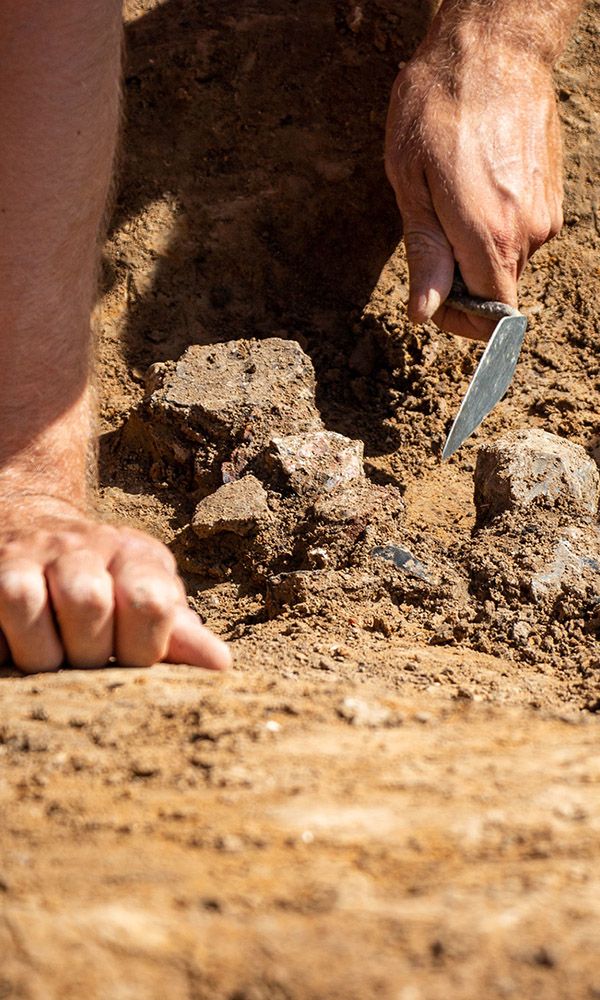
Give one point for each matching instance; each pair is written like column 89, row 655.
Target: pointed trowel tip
column 449, row 449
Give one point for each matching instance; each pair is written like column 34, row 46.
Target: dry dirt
column 396, row 792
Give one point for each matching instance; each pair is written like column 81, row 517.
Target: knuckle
column 507, row 247
column 154, row 603
column 106, row 535
column 90, row 595
column 423, row 241
column 20, row 590
column 136, row 543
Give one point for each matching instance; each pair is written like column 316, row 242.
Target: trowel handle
column 460, row 299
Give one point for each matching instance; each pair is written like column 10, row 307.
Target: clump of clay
column 280, row 502
column 212, row 411
column 240, row 507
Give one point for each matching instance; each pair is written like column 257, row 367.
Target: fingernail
column 427, row 303
column 224, row 655
column 433, row 302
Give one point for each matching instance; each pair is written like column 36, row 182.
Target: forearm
column 58, row 119
column 538, row 28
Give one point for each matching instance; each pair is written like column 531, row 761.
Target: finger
column 81, row 590
column 429, row 254
column 146, row 596
column 490, row 256
column 26, row 618
column 195, row 645
column 463, row 324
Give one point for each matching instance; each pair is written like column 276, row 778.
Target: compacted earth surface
column 395, row 792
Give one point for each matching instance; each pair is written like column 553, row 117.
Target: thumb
column 430, row 261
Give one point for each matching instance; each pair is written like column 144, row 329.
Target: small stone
column 39, row 714
column 314, row 462
column 423, row 717
column 229, row 843
column 574, row 566
column 239, row 507
column 359, row 712
column 534, row 467
column 77, row 722
column 403, row 560
column 144, row 768
column 521, row 631
column 326, row 664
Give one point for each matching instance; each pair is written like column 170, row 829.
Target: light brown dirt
column 395, row 793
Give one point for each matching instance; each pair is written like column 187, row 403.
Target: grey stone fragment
column 259, row 388
column 534, row 467
column 210, row 413
column 314, row 462
column 403, row 560
column 573, row 568
column 240, row 507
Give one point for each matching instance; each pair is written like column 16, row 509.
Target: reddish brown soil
column 395, row 793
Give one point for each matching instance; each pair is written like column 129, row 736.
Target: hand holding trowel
column 497, row 365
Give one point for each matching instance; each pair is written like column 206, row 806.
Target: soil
column 391, row 794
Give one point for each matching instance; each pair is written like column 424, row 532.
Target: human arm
column 72, row 590
column 473, row 150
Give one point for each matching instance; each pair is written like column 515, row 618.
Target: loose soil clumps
column 283, row 505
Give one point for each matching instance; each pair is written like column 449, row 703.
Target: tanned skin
column 474, row 156
column 71, row 589
column 474, row 150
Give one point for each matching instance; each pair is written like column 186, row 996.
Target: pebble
column 359, row 712
column 144, row 768
column 240, row 507
column 403, row 560
column 229, row 843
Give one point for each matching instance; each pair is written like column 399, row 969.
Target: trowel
column 496, row 367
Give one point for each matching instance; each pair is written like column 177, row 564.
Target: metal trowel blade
column 489, row 383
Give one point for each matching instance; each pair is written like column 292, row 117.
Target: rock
column 229, row 843
column 219, row 405
column 573, row 569
column 403, row 560
column 372, row 715
column 286, row 590
column 534, row 467
column 360, row 502
column 144, row 767
column 314, row 462
column 340, row 525
column 239, row 507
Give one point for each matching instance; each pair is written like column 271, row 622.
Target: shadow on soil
column 260, row 135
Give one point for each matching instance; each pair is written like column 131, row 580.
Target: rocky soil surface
column 395, row 793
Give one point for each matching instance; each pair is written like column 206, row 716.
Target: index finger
column 463, row 324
